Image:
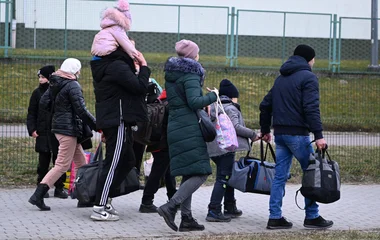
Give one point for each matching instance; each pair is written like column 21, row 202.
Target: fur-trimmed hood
column 113, row 16
column 185, row 65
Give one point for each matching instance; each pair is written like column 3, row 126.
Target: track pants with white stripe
column 119, row 161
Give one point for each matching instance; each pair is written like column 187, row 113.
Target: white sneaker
column 99, row 214
column 109, row 208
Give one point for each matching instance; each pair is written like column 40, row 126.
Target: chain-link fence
column 348, row 103
column 226, row 36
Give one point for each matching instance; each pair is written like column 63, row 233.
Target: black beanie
column 228, row 89
column 46, row 71
column 304, row 51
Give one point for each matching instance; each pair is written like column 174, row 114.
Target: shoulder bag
column 205, row 124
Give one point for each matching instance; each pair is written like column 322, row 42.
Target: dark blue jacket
column 293, row 101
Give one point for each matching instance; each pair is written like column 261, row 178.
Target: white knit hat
column 71, row 65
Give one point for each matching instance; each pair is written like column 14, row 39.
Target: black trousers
column 44, row 159
column 139, row 150
column 119, row 161
column 160, row 167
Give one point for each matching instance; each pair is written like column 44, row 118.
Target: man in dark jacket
column 293, row 103
column 39, row 127
column 120, row 103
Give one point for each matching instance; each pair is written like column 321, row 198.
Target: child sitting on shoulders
column 115, row 23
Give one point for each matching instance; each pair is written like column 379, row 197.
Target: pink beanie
column 123, row 6
column 186, row 48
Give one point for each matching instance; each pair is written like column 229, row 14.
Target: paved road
column 332, row 138
column 357, row 210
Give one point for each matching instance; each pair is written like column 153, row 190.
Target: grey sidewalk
column 358, row 209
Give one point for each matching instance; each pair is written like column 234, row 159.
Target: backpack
column 152, row 131
column 321, row 179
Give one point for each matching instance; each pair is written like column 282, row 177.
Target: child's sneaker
column 100, row 214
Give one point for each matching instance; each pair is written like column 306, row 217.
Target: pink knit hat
column 186, row 48
column 123, row 6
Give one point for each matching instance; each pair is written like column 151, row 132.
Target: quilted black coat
column 69, row 107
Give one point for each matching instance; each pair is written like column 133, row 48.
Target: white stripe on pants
column 115, row 161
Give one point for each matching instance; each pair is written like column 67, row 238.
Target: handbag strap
column 99, row 157
column 219, row 105
column 180, row 91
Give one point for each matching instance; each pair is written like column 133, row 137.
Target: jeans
column 189, row 185
column 288, row 146
column 224, row 164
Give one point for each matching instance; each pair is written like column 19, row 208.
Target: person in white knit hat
column 69, row 116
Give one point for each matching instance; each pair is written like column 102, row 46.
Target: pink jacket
column 114, row 26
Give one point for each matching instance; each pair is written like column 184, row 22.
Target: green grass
column 347, row 104
column 18, row 162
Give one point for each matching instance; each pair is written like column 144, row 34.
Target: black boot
column 168, row 211
column 188, row 224
column 231, row 210
column 38, row 197
column 60, row 193
column 46, row 195
column 215, row 214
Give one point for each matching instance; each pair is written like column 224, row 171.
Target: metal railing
column 283, row 53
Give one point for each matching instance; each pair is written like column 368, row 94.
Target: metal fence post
column 374, row 37
column 334, row 50
column 65, row 43
column 232, row 33
column 179, row 24
column 340, row 42
column 6, row 26
column 237, row 39
column 283, row 38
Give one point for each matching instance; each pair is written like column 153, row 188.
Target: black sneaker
column 148, row 208
column 317, row 223
column 281, row 223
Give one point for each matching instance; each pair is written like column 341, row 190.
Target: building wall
column 201, row 19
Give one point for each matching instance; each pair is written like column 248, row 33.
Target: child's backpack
column 150, row 132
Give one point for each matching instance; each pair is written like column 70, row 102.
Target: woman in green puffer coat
column 188, row 151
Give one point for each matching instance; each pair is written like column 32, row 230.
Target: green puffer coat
column 188, row 150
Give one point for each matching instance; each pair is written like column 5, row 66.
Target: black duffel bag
column 87, row 178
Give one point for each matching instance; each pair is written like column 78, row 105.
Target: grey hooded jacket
column 237, row 120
